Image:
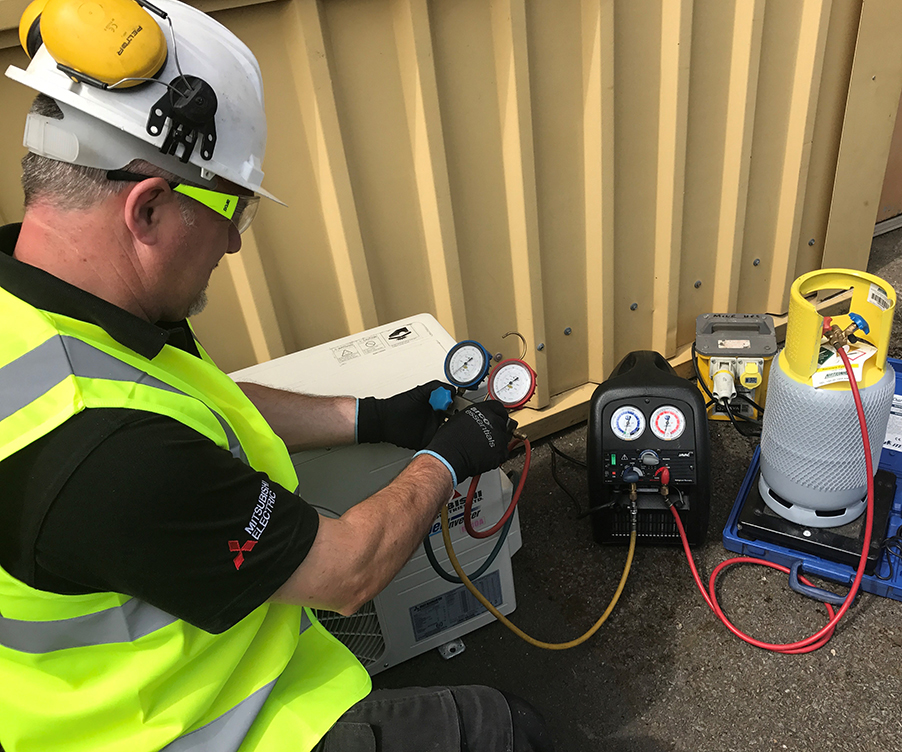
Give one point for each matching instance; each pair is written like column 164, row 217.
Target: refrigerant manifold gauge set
column 512, row 382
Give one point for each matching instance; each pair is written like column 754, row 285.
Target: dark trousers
column 439, row 719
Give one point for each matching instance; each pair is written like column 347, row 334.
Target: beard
column 198, row 304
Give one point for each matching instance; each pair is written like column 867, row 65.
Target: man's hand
column 474, row 440
column 406, row 420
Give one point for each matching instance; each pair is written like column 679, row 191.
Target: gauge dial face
column 668, row 423
column 466, row 364
column 628, row 423
column 512, row 383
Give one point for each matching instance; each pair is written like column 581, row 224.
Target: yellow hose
column 446, row 536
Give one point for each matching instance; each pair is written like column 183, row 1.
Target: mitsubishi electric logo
column 260, row 517
column 234, row 546
column 257, row 524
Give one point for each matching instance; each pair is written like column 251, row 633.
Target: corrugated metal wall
column 590, row 173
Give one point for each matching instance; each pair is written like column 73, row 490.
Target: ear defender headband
column 117, row 44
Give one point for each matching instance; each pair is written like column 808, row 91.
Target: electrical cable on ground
column 555, row 453
column 569, row 458
column 893, row 547
column 580, row 514
column 822, row 636
column 742, row 432
column 446, row 535
column 599, row 508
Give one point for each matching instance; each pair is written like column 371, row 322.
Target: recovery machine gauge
column 668, row 423
column 628, row 423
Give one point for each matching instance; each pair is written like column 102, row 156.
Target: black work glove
column 474, row 440
column 405, row 420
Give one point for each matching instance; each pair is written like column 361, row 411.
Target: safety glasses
column 241, row 210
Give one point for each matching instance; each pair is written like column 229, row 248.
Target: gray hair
column 72, row 187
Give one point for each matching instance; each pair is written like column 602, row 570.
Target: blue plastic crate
column 814, row 565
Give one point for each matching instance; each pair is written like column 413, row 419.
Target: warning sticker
column 454, row 607
column 877, row 295
column 402, row 335
column 370, row 345
column 893, row 438
column 344, row 353
column 832, row 370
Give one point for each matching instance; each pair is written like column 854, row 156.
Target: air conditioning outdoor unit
column 418, row 610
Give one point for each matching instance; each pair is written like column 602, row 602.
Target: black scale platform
column 841, row 544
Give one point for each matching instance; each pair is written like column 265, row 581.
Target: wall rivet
column 698, row 283
column 756, row 262
column 498, row 357
column 540, row 346
column 568, row 331
column 634, row 306
column 811, row 242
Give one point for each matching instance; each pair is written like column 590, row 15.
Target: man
column 136, row 610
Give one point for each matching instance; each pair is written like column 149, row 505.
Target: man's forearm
column 354, row 557
column 304, row 421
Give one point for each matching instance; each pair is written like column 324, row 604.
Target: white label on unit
column 734, row 344
column 893, row 438
column 877, row 296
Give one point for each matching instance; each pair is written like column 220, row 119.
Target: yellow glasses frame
column 240, row 210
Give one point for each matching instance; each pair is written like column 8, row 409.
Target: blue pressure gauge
column 467, row 364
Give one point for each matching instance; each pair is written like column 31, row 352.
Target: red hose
column 468, row 506
column 820, row 638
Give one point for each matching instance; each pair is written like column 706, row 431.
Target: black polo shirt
column 138, row 503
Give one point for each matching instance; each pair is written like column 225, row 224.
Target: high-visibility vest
column 107, row 672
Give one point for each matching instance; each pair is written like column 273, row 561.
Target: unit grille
column 361, row 632
column 650, row 523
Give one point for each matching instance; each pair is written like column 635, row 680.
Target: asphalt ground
column 663, row 674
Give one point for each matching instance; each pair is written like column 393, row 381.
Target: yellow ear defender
column 98, row 42
column 30, row 27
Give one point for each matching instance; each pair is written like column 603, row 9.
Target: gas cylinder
column 812, row 455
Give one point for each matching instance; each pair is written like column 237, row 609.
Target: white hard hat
column 108, row 128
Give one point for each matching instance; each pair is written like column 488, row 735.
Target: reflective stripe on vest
column 130, row 621
column 227, row 732
column 36, row 372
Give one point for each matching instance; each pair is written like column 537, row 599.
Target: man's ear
column 146, row 204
